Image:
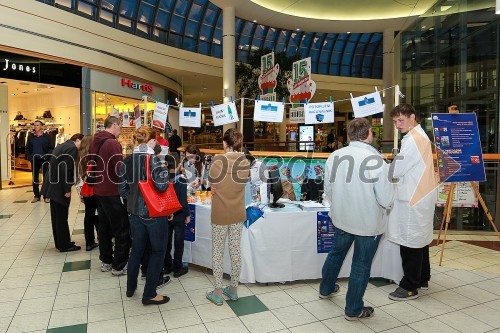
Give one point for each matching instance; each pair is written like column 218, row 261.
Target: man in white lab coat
column 411, row 218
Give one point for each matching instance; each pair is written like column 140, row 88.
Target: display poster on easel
column 190, row 234
column 458, row 146
column 463, row 195
column 325, row 232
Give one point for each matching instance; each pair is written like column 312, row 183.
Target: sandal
column 214, row 299
column 232, row 296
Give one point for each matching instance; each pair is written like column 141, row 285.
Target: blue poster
column 458, row 146
column 191, row 226
column 325, row 232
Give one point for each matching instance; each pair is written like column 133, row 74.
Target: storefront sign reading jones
column 13, row 67
column 138, row 86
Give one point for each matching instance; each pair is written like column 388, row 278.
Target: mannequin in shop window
column 61, row 137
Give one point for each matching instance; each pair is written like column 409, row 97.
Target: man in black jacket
column 38, row 149
column 174, row 142
column 57, row 185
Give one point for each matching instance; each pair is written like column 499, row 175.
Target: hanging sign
column 268, row 111
column 126, row 119
column 301, row 86
column 458, row 147
column 160, row 115
column 366, row 105
column 319, row 113
column 225, row 114
column 189, row 117
column 296, row 116
column 137, row 116
column 268, row 77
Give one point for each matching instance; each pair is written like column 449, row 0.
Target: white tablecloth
column 281, row 246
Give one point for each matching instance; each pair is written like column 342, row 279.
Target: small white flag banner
column 115, row 112
column 366, row 105
column 137, row 116
column 268, row 111
column 189, row 117
column 296, row 115
column 224, row 114
column 160, row 115
column 126, row 119
column 319, row 113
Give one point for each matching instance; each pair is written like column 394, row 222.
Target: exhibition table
column 282, row 246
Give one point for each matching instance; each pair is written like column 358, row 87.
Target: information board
column 463, row 195
column 325, row 232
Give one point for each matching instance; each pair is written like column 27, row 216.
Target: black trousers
column 416, row 267
column 60, row 228
column 38, row 163
column 113, row 223
column 176, row 233
column 91, row 220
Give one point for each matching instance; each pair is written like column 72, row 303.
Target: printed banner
column 137, row 116
column 297, row 116
column 301, row 86
column 225, row 114
column 325, row 232
column 268, row 111
column 319, row 113
column 463, row 195
column 190, row 234
column 189, row 117
column 160, row 115
column 367, row 105
column 115, row 112
column 458, row 145
column 126, row 119
column 268, row 77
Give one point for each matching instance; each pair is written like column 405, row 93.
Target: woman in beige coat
column 228, row 174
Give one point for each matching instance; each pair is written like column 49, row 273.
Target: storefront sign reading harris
column 138, row 86
column 12, row 66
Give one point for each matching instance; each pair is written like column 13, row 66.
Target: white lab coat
column 411, row 218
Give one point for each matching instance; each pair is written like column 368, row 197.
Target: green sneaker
column 214, row 299
column 232, row 296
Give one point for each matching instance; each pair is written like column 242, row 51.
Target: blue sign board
column 458, row 146
column 191, row 226
column 325, row 232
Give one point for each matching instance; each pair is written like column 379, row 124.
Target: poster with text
column 300, row 85
column 296, row 116
column 137, row 116
column 126, row 119
column 160, row 115
column 268, row 77
column 367, row 105
column 463, row 195
column 225, row 114
column 268, row 111
column 458, row 146
column 190, row 234
column 190, row 117
column 325, row 232
column 319, row 113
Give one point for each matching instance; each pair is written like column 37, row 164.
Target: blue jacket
column 47, row 146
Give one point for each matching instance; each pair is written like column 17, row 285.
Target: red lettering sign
column 132, row 85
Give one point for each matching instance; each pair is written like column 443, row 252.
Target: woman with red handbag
column 144, row 165
column 91, row 219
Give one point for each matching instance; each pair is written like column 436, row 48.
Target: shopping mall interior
column 72, row 63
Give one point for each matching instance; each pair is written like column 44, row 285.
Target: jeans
column 416, row 267
column 364, row 251
column 146, row 230
column 38, row 163
column 60, row 229
column 113, row 222
column 177, row 231
column 91, row 220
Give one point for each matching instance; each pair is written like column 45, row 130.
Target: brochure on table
column 225, row 114
column 458, row 146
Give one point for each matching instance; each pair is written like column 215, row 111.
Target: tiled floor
column 42, row 290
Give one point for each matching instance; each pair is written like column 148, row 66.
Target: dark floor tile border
column 81, row 328
column 492, row 245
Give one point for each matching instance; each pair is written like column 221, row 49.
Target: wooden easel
column 449, row 204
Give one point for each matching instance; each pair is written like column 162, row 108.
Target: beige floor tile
column 462, row 322
column 195, row 283
column 151, row 322
column 190, row 329
column 73, row 287
column 382, row 321
column 183, row 317
column 50, row 278
column 431, row 306
column 276, row 299
column 177, row 301
column 105, row 296
column 68, row 317
column 108, row 282
column 340, row 325
column 483, row 313
column 8, row 309
column 29, row 322
column 432, row 325
column 75, row 276
column 323, row 309
column 401, row 329
column 113, row 325
column 211, row 312
column 106, row 311
column 262, row 322
column 303, row 294
column 198, row 297
column 135, row 308
column 453, row 299
column 259, row 288
column 316, row 327
column 477, row 294
column 404, row 312
column 47, row 290
column 35, row 305
column 50, row 268
column 227, row 325
column 377, row 297
column 294, row 315
column 71, row 301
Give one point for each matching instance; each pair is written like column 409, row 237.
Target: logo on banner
column 301, row 86
column 137, row 86
column 224, row 114
column 268, row 78
column 367, row 105
column 268, row 111
column 319, row 113
column 189, row 117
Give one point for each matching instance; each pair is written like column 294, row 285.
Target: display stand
column 449, row 205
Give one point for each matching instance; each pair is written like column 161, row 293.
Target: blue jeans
column 144, row 230
column 364, row 251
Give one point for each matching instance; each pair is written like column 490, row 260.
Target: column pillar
column 228, row 58
column 86, row 103
column 388, row 95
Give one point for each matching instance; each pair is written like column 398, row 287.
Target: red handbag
column 86, row 191
column 159, row 204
